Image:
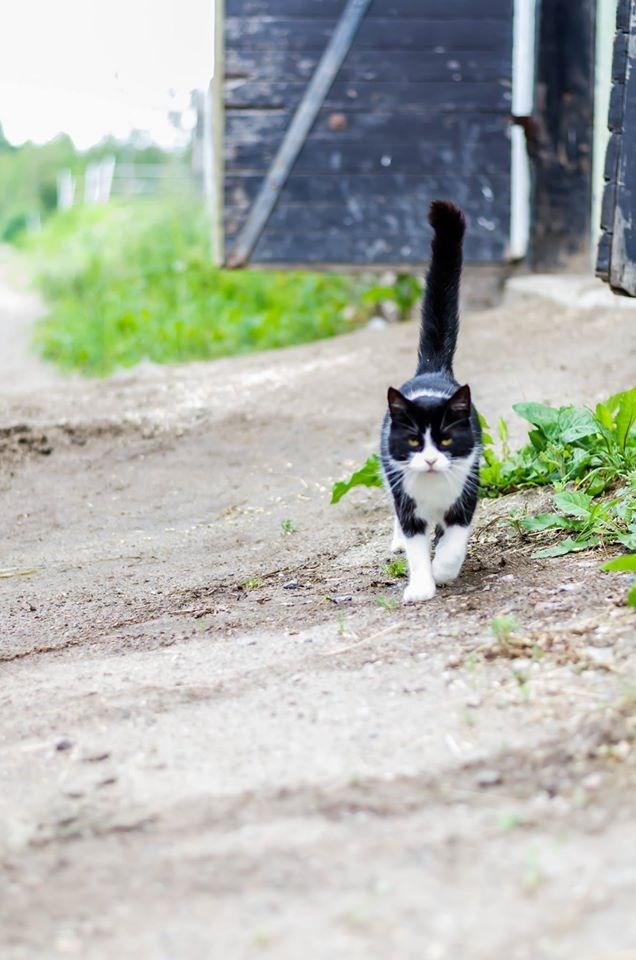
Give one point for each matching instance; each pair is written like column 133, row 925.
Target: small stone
column 96, row 757
column 474, row 702
column 489, row 778
column 343, row 598
column 454, row 660
column 604, row 656
column 521, row 663
column 593, row 781
column 620, row 750
column 107, row 782
column 291, row 585
column 64, row 744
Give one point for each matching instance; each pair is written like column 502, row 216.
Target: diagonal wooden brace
column 296, row 134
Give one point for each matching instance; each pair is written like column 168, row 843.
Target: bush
column 126, row 282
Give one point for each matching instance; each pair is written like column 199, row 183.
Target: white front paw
column 418, row 591
column 445, row 572
column 397, row 544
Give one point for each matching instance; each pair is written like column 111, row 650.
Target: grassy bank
column 135, row 281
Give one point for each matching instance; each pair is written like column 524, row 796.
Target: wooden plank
column 619, row 202
column 331, row 9
column 610, row 170
column 338, row 247
column 488, row 154
column 395, row 218
column 261, row 33
column 401, row 217
column 473, row 192
column 265, row 128
column 455, row 96
column 619, row 57
column 470, row 66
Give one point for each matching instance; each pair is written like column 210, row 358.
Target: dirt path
column 20, row 369
column 216, row 744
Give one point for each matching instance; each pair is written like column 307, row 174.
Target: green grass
column 397, row 567
column 503, row 627
column 385, row 603
column 134, row 281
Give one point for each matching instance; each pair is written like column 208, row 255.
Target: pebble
column 600, row 655
column 593, row 781
column 64, row 744
column 489, row 778
column 96, row 757
column 291, row 585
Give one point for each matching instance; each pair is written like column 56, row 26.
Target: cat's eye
column 414, row 442
column 446, row 442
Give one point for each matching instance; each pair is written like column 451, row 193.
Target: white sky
column 93, row 67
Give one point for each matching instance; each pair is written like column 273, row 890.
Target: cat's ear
column 399, row 406
column 458, row 407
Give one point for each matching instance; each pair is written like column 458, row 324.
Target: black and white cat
column 431, row 439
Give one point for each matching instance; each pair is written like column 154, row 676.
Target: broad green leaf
column 625, row 416
column 545, row 521
column 538, row 440
column 628, row 540
column 538, row 414
column 574, row 424
column 367, row 476
column 604, row 416
column 573, row 503
column 625, row 563
column 566, row 546
column 502, row 429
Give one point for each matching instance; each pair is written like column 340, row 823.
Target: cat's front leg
column 397, row 541
column 418, row 553
column 450, row 553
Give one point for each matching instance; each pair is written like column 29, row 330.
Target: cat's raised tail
column 440, row 309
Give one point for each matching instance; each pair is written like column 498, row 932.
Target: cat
column 430, row 445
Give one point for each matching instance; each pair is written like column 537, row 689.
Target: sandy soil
column 216, row 744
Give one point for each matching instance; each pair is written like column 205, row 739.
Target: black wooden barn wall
column 616, row 261
column 420, row 109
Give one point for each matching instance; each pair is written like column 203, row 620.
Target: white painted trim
column 523, row 57
column 523, row 67
column 519, row 195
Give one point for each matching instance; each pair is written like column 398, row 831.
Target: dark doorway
column 560, row 138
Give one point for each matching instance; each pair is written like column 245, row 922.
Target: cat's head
column 427, row 433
